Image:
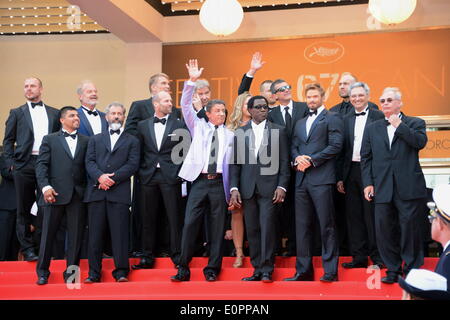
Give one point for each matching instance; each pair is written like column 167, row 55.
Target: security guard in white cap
column 421, row 284
column 440, row 226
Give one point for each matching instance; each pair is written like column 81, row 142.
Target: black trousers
column 75, row 213
column 27, row 191
column 286, row 215
column 319, row 199
column 9, row 246
column 398, row 233
column 260, row 223
column 150, row 198
column 203, row 191
column 115, row 216
column 360, row 215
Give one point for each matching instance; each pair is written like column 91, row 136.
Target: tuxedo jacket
column 201, row 135
column 7, row 190
column 123, row 161
column 19, row 131
column 443, row 266
column 344, row 159
column 56, row 167
column 299, row 111
column 246, row 82
column 322, row 144
column 383, row 166
column 85, row 126
column 141, row 110
column 151, row 156
column 345, row 108
column 266, row 172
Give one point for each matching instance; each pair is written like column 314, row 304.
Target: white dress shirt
column 290, row 105
column 39, row 119
column 311, row 119
column 94, row 121
column 222, row 140
column 114, row 137
column 360, row 124
column 446, row 245
column 159, row 134
column 391, row 131
column 258, row 130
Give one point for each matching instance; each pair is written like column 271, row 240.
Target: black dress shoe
column 254, row 277
column 90, row 280
column 29, row 255
column 329, row 277
column 42, row 280
column 352, row 265
column 182, row 275
column 390, row 278
column 301, row 277
column 122, row 279
column 266, row 277
column 379, row 264
column 145, row 263
column 210, row 276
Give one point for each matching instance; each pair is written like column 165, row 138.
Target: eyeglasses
column 261, row 106
column 388, row 100
column 431, row 218
column 283, row 89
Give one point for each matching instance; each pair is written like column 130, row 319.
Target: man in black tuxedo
column 317, row 141
column 440, row 227
column 8, row 205
column 393, row 179
column 345, row 107
column 158, row 174
column 286, row 114
column 259, row 178
column 25, row 128
column 111, row 159
column 61, row 176
column 92, row 121
column 359, row 212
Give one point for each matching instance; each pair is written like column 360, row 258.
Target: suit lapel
column 120, row 142
column 27, row 115
column 151, row 128
column 85, row 122
column 63, row 141
column 278, row 116
column 351, row 131
column 250, row 141
column 319, row 118
column 405, row 121
column 167, row 129
column 107, row 141
column 51, row 119
column 265, row 140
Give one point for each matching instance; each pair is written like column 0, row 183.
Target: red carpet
column 17, row 281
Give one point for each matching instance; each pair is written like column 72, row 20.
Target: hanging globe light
column 392, row 11
column 221, row 17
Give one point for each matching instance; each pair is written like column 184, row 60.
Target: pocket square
column 171, row 134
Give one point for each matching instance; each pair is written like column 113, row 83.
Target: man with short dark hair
column 61, row 176
column 259, row 178
column 25, row 128
column 316, row 142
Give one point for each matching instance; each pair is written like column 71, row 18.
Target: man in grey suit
column 206, row 165
column 316, row 142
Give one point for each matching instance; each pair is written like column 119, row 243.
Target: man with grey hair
column 92, row 121
column 359, row 212
column 393, row 179
column 111, row 159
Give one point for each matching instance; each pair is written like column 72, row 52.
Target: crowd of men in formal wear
column 284, row 167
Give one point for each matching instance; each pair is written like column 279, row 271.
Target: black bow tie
column 73, row 135
column 360, row 114
column 111, row 131
column 162, row 121
column 95, row 113
column 40, row 104
column 311, row 113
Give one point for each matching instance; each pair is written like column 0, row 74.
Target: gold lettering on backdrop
column 302, row 82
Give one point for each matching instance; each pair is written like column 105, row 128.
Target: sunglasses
column 388, row 100
column 283, row 89
column 261, row 106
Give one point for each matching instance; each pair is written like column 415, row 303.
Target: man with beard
column 92, row 121
column 112, row 158
column 25, row 128
column 61, row 175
